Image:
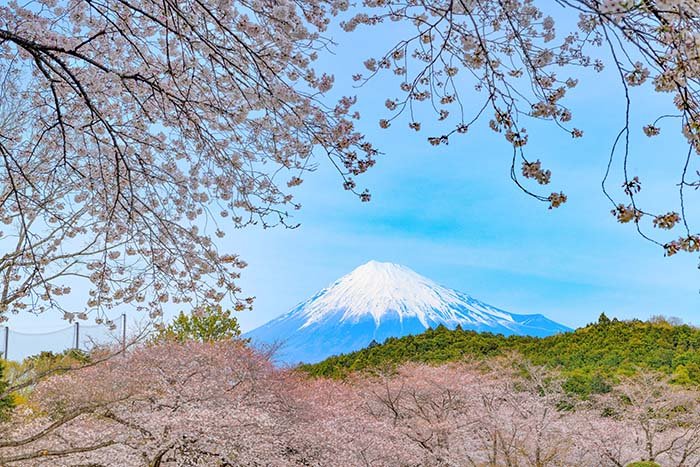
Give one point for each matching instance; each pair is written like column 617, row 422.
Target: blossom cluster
column 132, row 131
column 221, row 403
column 521, row 66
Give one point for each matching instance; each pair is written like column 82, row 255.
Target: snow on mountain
column 381, row 300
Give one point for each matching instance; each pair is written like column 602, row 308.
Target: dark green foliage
column 590, row 358
column 6, row 402
column 68, row 357
column 585, row 384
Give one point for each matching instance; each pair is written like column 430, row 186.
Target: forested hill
column 588, row 356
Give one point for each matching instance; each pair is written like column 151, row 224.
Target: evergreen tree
column 6, row 402
column 591, row 359
column 209, row 325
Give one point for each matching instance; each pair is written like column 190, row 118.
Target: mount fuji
column 381, row 300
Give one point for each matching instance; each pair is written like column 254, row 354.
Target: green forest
column 590, row 358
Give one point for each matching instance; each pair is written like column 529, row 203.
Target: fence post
column 123, row 332
column 77, row 335
column 7, row 340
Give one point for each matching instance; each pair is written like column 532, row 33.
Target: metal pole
column 123, row 332
column 77, row 335
column 7, row 340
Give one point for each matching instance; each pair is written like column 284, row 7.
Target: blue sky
column 452, row 214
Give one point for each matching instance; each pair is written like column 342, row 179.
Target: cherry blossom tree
column 338, row 426
column 187, row 404
column 661, row 423
column 127, row 127
column 221, row 403
column 517, row 414
column 131, row 131
column 196, row 403
column 461, row 415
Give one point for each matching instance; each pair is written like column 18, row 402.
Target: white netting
column 22, row 344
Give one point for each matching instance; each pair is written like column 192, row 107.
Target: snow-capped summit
column 381, row 289
column 380, row 300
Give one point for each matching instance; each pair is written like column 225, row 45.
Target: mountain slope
column 381, row 300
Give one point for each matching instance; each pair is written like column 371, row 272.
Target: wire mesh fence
column 17, row 345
